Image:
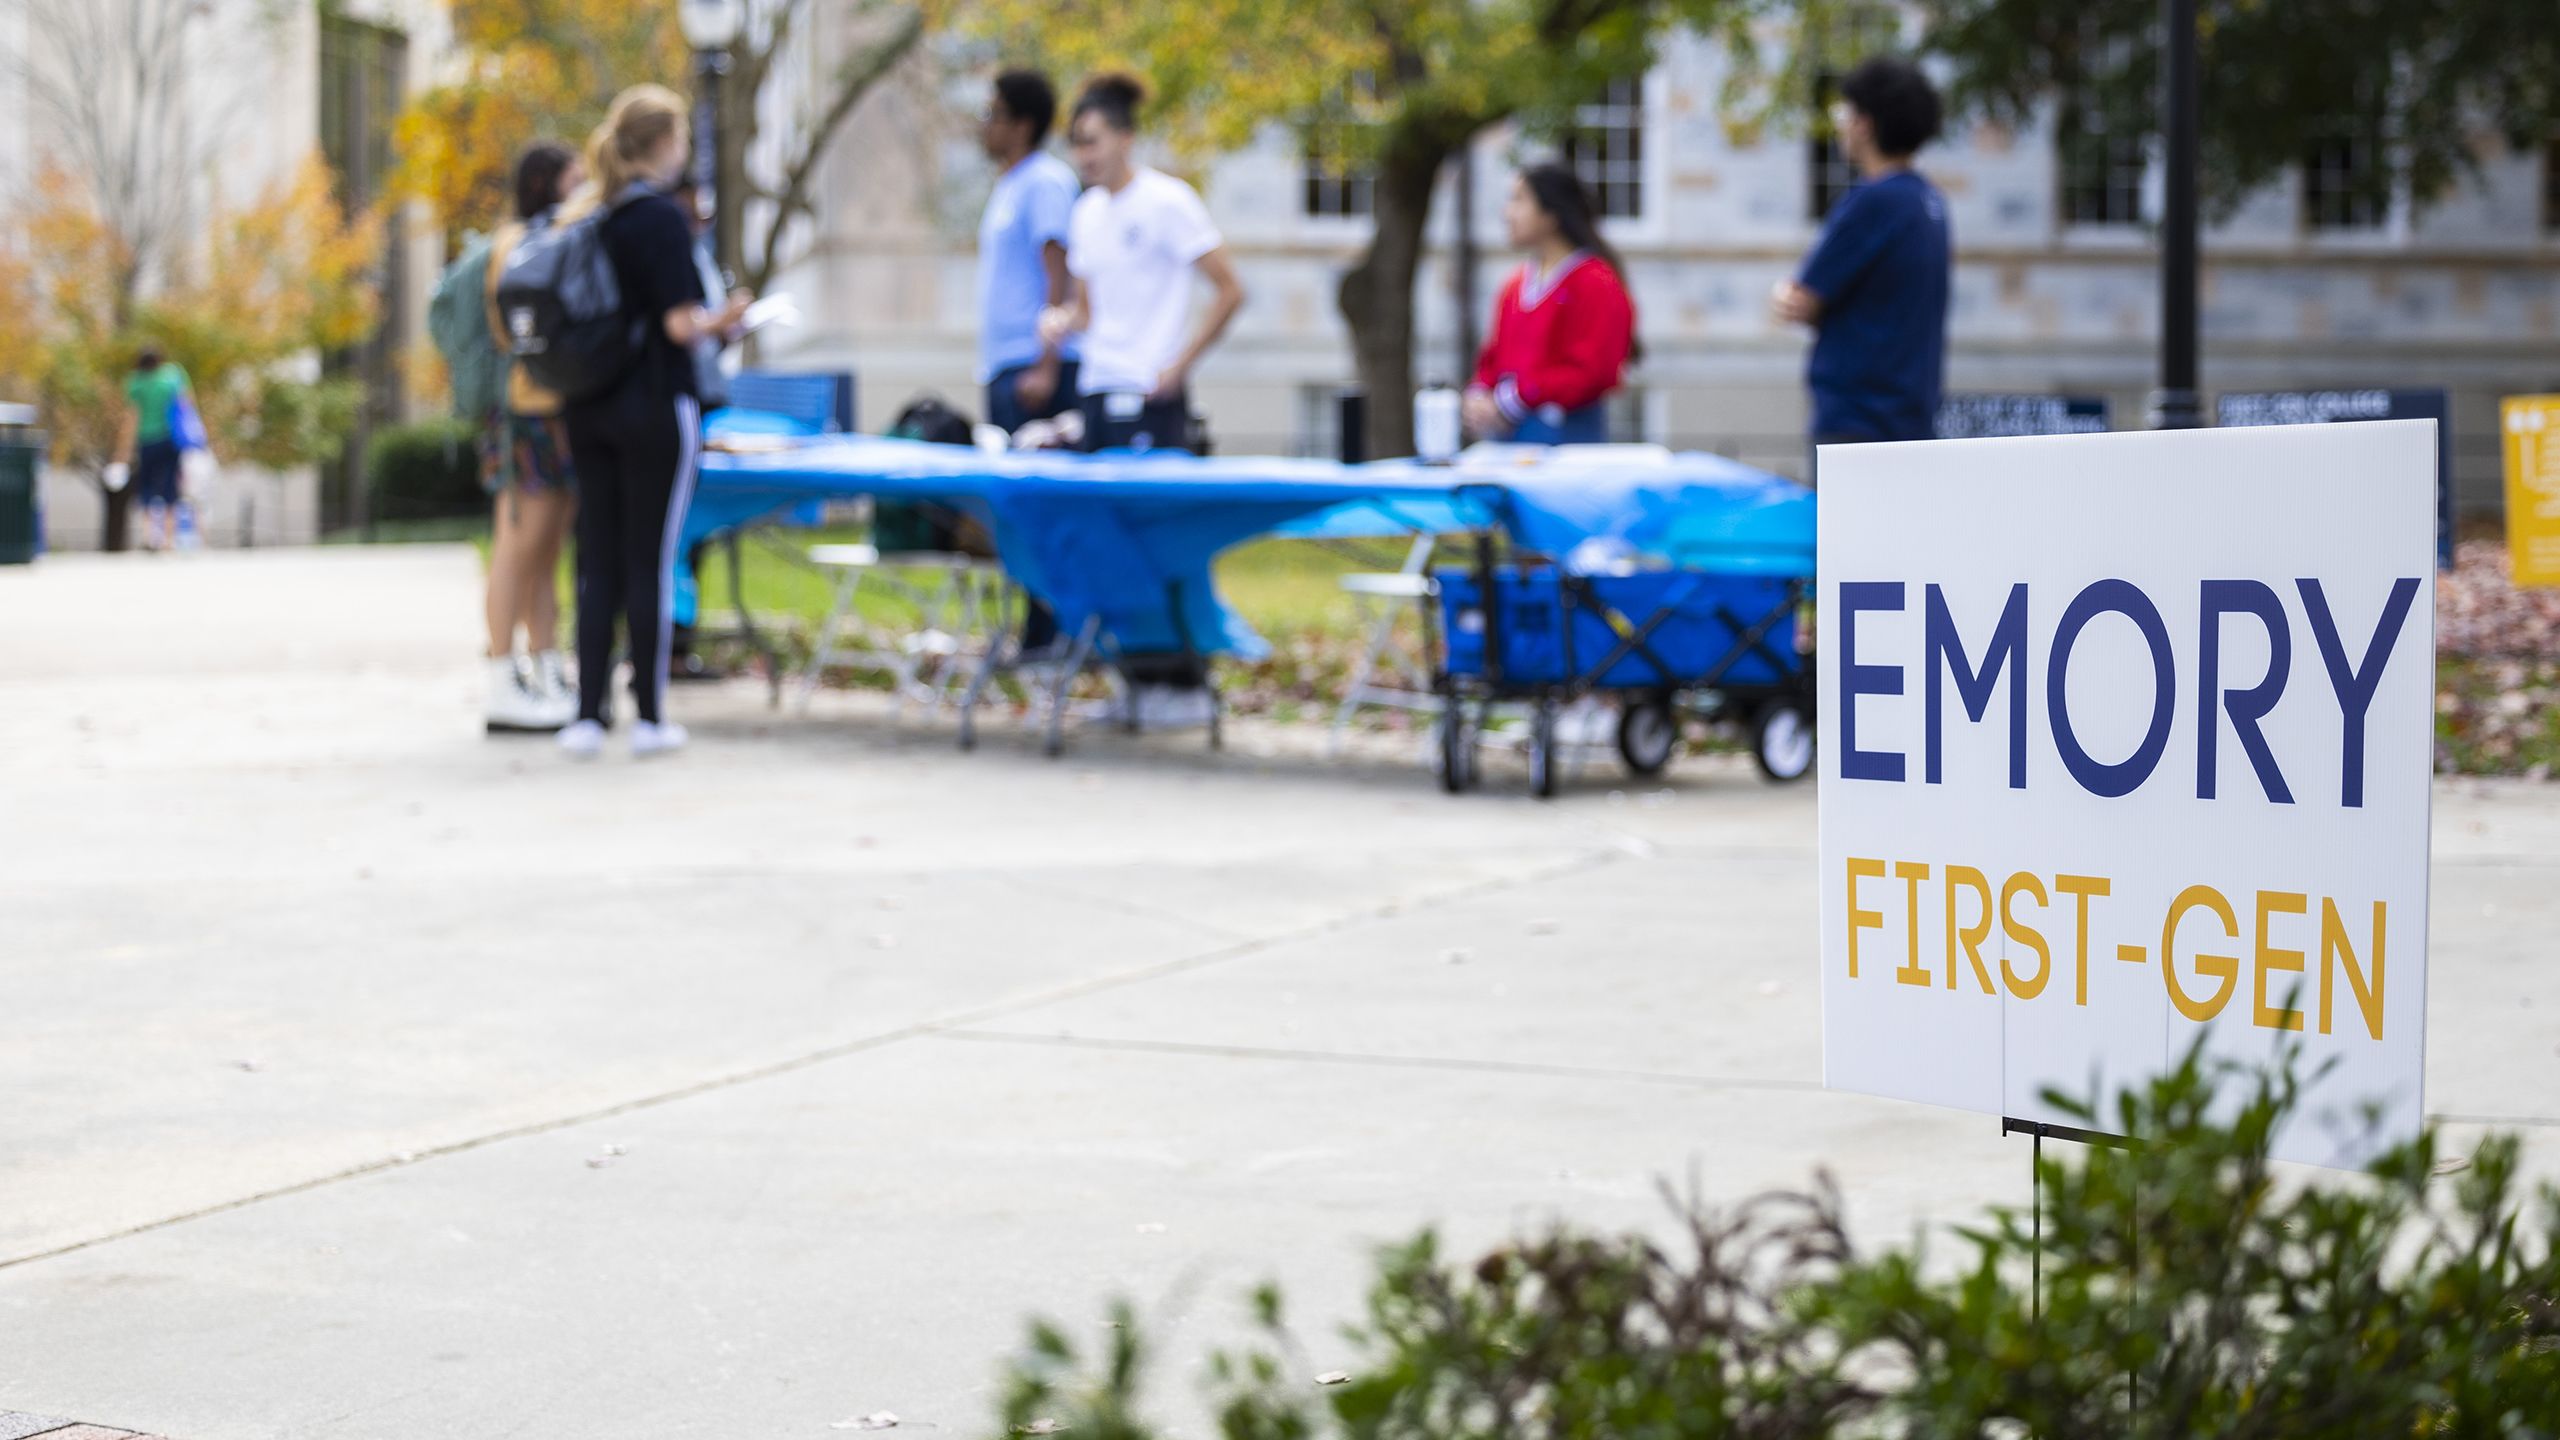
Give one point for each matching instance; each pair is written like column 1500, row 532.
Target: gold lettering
column 2334, row 950
column 2276, row 902
column 2026, row 935
column 2223, row 967
column 1861, row 919
column 1911, row 873
column 2081, row 888
column 1970, row 937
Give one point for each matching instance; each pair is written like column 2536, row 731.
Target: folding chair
column 960, row 599
column 1379, row 598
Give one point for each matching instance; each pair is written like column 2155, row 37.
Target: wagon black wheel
column 1457, row 749
column 1648, row 734
column 1542, row 751
column 1782, row 740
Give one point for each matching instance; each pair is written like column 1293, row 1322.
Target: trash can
column 21, row 472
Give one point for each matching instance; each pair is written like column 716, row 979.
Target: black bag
column 912, row 526
column 928, row 419
column 563, row 309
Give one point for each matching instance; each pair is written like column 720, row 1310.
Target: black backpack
column 563, row 309
column 916, row 525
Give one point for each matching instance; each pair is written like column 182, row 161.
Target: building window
column 1330, row 181
column 1331, row 185
column 1319, row 423
column 1606, row 148
column 2343, row 184
column 1828, row 166
column 2102, row 170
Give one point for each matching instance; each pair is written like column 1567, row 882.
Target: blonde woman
column 634, row 446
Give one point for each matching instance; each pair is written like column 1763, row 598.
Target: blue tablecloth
column 1129, row 538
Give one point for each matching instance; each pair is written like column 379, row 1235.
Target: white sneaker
column 662, row 738
column 1174, row 707
column 583, row 740
column 551, row 676
column 516, row 708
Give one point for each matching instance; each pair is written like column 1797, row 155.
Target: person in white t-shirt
column 1135, row 239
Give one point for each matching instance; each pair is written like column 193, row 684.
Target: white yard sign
column 2126, row 737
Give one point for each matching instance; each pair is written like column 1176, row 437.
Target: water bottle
column 1435, row 423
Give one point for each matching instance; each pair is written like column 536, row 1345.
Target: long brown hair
column 641, row 119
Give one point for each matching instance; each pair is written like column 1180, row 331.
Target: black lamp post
column 710, row 27
column 2176, row 404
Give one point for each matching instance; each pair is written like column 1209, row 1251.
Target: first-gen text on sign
column 2126, row 738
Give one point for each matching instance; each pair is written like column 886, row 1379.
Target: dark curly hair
column 1116, row 98
column 1027, row 96
column 1897, row 100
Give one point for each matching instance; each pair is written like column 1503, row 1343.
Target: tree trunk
column 738, row 126
column 1376, row 296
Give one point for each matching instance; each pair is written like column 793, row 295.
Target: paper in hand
column 771, row 310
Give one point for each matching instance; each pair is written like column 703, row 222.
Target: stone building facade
column 270, row 84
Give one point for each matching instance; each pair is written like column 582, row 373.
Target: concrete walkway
column 372, row 1078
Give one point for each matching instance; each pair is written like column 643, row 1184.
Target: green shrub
column 2185, row 1291
column 424, row 471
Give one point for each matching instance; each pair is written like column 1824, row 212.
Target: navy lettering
column 2245, row 707
column 1945, row 656
column 1857, row 679
column 2127, row 775
column 2355, row 687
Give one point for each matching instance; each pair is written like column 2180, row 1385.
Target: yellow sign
column 2532, row 427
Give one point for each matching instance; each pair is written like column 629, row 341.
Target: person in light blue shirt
column 1022, row 255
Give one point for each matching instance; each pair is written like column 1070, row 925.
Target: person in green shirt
column 151, row 392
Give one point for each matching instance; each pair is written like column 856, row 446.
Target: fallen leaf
column 877, row 1420
column 2452, row 1165
column 1334, row 1377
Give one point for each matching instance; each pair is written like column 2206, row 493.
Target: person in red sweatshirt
column 1563, row 329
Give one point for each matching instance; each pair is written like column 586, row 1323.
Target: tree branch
column 853, row 80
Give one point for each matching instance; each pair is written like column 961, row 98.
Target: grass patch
column 1285, row 588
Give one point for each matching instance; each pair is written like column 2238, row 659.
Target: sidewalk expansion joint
column 1456, row 1063
column 977, row 1015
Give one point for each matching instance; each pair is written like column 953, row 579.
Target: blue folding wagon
column 1719, row 642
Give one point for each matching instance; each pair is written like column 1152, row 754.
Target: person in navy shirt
column 1022, row 255
column 1875, row 287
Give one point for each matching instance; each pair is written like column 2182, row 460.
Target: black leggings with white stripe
column 635, row 460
